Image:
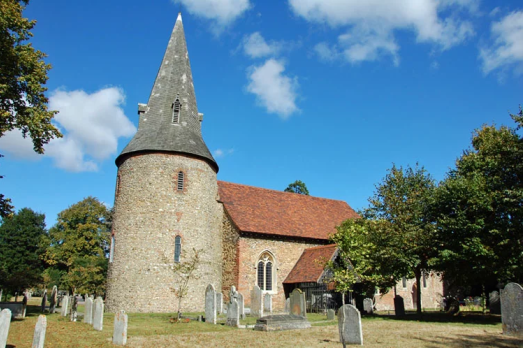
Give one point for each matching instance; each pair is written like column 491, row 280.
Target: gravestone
column 219, row 302
column 267, row 304
column 233, row 313
column 282, row 322
column 24, row 299
column 53, row 299
column 512, row 309
column 98, row 320
column 92, row 308
column 349, row 325
column 17, row 309
column 331, row 313
column 399, row 306
column 65, row 306
column 44, row 300
column 210, row 305
column 88, row 311
column 5, row 322
column 39, row 334
column 367, row 306
column 241, row 304
column 256, row 302
column 120, row 328
column 287, row 305
column 494, row 303
column 297, row 303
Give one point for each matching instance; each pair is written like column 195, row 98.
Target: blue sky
column 330, row 92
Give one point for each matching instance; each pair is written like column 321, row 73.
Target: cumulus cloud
column 274, row 90
column 506, row 50
column 223, row 12
column 370, row 24
column 255, row 46
column 91, row 125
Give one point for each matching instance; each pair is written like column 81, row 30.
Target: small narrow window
column 424, row 279
column 177, row 107
column 177, row 248
column 111, row 252
column 404, row 282
column 180, row 181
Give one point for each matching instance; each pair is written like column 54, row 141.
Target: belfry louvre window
column 177, row 108
column 177, row 248
column 265, row 272
column 180, row 181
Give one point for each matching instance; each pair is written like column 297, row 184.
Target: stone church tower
column 166, row 197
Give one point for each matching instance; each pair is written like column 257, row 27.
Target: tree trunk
column 343, row 299
column 417, row 273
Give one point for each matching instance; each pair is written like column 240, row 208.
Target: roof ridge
column 322, row 246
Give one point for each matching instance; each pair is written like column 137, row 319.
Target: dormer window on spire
column 177, row 109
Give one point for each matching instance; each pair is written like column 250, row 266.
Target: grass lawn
column 433, row 330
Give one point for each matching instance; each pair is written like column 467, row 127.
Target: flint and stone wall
column 149, row 213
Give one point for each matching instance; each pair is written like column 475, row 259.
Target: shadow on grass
column 442, row 317
column 498, row 341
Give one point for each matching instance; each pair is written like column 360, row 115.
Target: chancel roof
column 278, row 213
column 311, row 264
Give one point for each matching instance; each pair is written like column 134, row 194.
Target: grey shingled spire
column 165, row 125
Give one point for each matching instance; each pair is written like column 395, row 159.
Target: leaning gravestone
column 494, row 303
column 65, row 306
column 120, row 328
column 267, row 303
column 98, row 320
column 210, row 305
column 88, row 311
column 331, row 314
column 5, row 322
column 297, row 303
column 367, row 306
column 233, row 313
column 44, row 300
column 399, row 306
column 349, row 325
column 53, row 299
column 241, row 304
column 256, row 302
column 219, row 302
column 512, row 309
column 39, row 334
column 287, row 305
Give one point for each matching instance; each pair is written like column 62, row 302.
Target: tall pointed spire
column 170, row 121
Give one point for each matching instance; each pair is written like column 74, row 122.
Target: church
column 169, row 203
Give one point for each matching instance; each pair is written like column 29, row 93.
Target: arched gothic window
column 180, row 181
column 177, row 109
column 265, row 272
column 177, row 248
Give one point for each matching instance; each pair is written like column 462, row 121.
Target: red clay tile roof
column 259, row 210
column 309, row 267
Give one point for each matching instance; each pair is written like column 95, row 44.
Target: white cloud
column 91, row 125
column 274, row 90
column 219, row 153
column 371, row 24
column 255, row 46
column 507, row 49
column 223, row 12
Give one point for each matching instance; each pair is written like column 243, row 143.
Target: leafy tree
column 479, row 211
column 184, row 271
column 79, row 245
column 21, row 250
column 297, row 187
column 23, row 74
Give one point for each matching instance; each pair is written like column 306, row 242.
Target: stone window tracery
column 266, row 277
column 177, row 248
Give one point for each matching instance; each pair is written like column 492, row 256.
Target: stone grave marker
column 44, row 300
column 5, row 322
column 233, row 313
column 331, row 313
column 88, row 311
column 512, row 309
column 210, row 305
column 297, row 303
column 494, row 303
column 65, row 306
column 219, row 302
column 241, row 304
column 53, row 300
column 256, row 302
column 120, row 328
column 287, row 305
column 267, row 304
column 399, row 306
column 92, row 309
column 367, row 306
column 349, row 325
column 98, row 320
column 39, row 334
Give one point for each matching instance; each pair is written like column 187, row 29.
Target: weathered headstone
column 39, row 334
column 297, row 303
column 282, row 322
column 219, row 302
column 88, row 311
column 65, row 306
column 349, row 325
column 367, row 306
column 92, row 309
column 256, row 302
column 241, row 304
column 53, row 299
column 494, row 303
column 331, row 313
column 287, row 305
column 233, row 313
column 5, row 322
column 120, row 328
column 17, row 309
column 210, row 305
column 512, row 309
column 98, row 320
column 399, row 306
column 267, row 304
column 44, row 300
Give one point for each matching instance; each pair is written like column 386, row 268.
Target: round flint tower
column 165, row 200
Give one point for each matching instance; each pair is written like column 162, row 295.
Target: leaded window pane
column 261, row 283
column 268, row 276
column 177, row 248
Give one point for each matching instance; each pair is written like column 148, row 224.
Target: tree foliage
column 23, row 74
column 21, row 249
column 185, row 271
column 298, row 187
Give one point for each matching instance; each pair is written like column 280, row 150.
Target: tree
column 297, row 187
column 21, row 250
column 479, row 212
column 78, row 245
column 23, row 74
column 184, row 271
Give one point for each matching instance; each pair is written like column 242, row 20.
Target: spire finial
column 179, row 17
